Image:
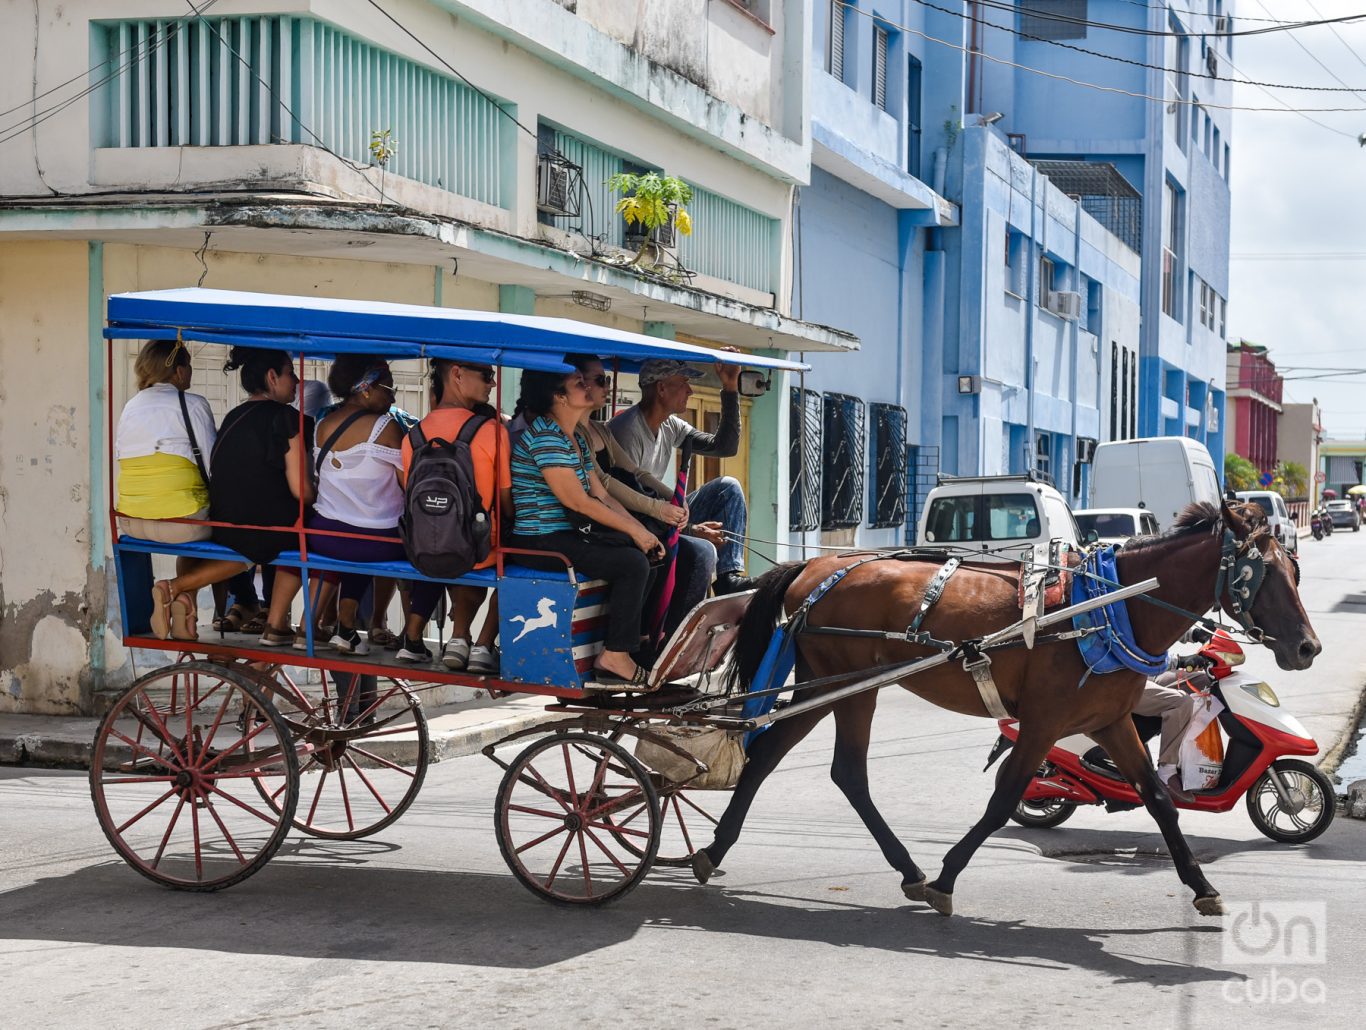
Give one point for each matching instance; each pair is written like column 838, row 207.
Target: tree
column 1239, row 473
column 650, row 201
column 1291, row 479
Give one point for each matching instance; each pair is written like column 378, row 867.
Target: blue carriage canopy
column 324, row 327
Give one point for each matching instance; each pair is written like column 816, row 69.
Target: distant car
column 1114, row 525
column 1344, row 513
column 1277, row 516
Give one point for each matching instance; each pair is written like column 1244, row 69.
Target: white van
column 1161, row 474
column 1277, row 516
column 1001, row 517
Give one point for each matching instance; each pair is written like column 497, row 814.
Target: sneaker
column 732, row 583
column 456, row 654
column 276, row 637
column 414, row 652
column 348, row 641
column 483, row 660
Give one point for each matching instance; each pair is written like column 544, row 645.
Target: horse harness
column 1242, row 568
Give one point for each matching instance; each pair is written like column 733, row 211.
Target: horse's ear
column 1233, row 520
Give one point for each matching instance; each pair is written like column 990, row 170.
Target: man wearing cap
column 651, row 431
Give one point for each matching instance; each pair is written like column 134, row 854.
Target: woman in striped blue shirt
column 562, row 506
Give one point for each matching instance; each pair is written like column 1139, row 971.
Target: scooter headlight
column 1263, row 693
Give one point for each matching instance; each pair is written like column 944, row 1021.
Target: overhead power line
column 1134, row 30
column 848, row 6
column 1308, row 118
column 1206, row 14
column 1198, row 74
column 1312, row 56
column 1341, row 38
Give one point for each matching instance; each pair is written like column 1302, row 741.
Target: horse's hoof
column 915, row 891
column 1210, row 905
column 702, row 867
column 939, row 901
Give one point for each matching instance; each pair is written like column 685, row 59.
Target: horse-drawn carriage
column 203, row 765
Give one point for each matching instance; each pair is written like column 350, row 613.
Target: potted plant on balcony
column 657, row 204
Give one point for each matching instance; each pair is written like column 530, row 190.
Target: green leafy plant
column 382, row 148
column 1291, row 479
column 651, row 200
column 1239, row 473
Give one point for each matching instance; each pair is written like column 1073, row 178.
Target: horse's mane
column 1200, row 517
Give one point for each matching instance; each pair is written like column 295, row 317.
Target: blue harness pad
column 1112, row 646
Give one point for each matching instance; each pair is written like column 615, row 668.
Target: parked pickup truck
column 1002, row 517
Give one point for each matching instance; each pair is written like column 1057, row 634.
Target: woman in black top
column 256, row 478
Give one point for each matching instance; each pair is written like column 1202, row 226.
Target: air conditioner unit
column 1065, row 304
column 1223, row 24
column 553, row 181
column 1212, row 63
column 1086, row 450
column 667, row 234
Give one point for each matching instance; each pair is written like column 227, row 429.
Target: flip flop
column 382, row 637
column 184, row 618
column 161, row 610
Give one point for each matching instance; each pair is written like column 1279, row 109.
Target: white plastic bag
column 1202, row 754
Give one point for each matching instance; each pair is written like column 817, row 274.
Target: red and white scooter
column 1288, row 800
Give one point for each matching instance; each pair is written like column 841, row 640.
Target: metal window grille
column 842, row 466
column 804, row 461
column 1049, row 19
column 834, row 59
column 887, row 448
column 922, row 471
column 881, row 42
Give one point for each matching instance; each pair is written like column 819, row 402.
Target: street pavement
column 1082, row 925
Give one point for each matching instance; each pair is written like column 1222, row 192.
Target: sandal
column 239, row 620
column 381, row 637
column 256, row 624
column 161, row 609
column 638, row 681
column 184, row 617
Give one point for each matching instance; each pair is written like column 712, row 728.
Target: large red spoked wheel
column 363, row 754
column 174, row 776
column 555, row 819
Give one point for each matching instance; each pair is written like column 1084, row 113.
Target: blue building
column 1174, row 152
column 999, row 315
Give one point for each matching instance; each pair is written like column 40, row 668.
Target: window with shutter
column 834, row 58
column 887, row 448
column 804, row 460
column 880, row 46
column 842, row 473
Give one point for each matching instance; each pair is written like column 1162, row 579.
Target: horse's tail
column 756, row 628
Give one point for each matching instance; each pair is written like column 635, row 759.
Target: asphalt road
column 1084, row 925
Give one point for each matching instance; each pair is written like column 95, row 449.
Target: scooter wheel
column 1313, row 802
column 1043, row 814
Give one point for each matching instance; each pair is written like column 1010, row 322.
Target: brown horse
column 1039, row 686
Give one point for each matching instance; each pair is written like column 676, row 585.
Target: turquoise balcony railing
column 223, row 82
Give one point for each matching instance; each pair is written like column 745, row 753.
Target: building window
column 1204, row 303
column 913, row 115
column 842, row 462
column 1115, row 432
column 1171, row 251
column 1228, row 156
column 1015, row 263
column 804, row 461
column 1216, row 154
column 834, row 53
column 882, row 43
column 1177, row 53
column 1043, row 454
column 1223, row 318
column 887, row 450
column 1046, row 272
column 1053, row 19
column 1209, row 130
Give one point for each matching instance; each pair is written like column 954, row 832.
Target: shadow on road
column 325, row 901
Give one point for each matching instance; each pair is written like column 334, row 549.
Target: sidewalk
column 456, row 730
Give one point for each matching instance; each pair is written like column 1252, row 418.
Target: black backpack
column 445, row 529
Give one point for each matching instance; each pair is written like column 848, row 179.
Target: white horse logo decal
column 546, row 617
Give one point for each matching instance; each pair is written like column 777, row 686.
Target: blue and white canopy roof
column 325, row 327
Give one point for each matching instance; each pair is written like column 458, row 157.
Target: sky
column 1298, row 189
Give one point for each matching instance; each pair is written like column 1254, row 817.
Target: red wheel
column 363, row 753
column 685, row 824
column 175, row 771
column 555, row 819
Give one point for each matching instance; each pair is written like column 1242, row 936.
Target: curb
column 67, row 742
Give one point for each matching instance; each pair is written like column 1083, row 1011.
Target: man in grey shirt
column 651, row 431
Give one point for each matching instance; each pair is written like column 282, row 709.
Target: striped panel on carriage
column 550, row 630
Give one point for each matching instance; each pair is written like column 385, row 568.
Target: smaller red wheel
column 174, row 776
column 556, row 814
column 363, row 751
